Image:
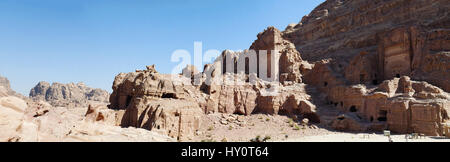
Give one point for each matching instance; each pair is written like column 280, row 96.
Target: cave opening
column 382, row 117
column 247, row 66
column 325, row 84
column 353, row 109
column 238, row 112
column 361, row 78
column 375, row 82
column 371, row 119
column 224, row 64
column 169, row 95
column 397, row 75
column 128, row 101
column 235, row 66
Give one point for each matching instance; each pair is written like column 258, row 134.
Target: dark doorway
column 169, row 95
column 361, row 78
column 375, row 82
column 382, row 116
column 247, row 66
column 353, row 109
column 383, row 119
column 224, row 64
column 128, row 101
column 235, row 66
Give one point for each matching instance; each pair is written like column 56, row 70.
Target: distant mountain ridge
column 71, row 94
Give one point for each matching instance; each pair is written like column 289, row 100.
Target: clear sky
column 91, row 41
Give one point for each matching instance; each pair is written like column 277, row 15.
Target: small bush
column 258, row 139
column 266, row 138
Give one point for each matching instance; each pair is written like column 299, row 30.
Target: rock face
column 401, row 37
column 5, row 88
column 68, row 95
column 4, row 82
column 400, row 105
column 157, row 102
column 356, row 45
column 289, row 61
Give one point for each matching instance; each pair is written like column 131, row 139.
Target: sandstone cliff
column 399, row 37
column 357, row 46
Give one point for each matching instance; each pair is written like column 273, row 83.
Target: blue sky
column 91, row 41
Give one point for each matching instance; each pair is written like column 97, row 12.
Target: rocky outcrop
column 68, row 95
column 22, row 121
column 289, row 61
column 361, row 49
column 168, row 104
column 400, row 105
column 4, row 82
column 5, row 88
column 172, row 105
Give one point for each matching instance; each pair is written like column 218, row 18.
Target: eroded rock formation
column 352, row 65
column 356, row 45
column 172, row 105
column 25, row 120
column 68, row 95
column 400, row 37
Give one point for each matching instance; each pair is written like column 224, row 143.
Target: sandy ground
column 283, row 129
column 362, row 137
column 246, row 128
